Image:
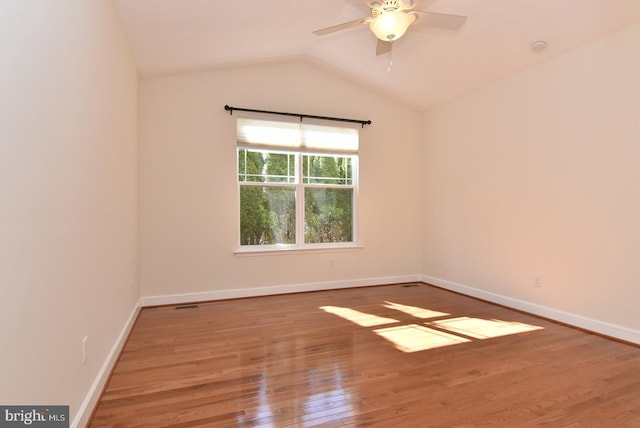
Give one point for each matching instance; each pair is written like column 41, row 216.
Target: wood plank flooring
column 387, row 356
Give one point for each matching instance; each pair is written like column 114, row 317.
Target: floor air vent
column 187, row 307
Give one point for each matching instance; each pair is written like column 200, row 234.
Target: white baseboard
column 590, row 324
column 174, row 299
column 86, row 408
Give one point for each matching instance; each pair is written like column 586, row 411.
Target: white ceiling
column 429, row 66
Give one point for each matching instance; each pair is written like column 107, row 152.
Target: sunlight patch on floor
column 413, row 337
column 433, row 334
column 481, row 328
column 361, row 318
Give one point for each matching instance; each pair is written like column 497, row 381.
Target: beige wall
column 188, row 183
column 68, row 192
column 537, row 175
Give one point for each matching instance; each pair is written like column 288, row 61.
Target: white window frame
column 300, row 186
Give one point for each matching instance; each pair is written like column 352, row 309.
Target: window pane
column 250, row 165
column 317, row 169
column 267, row 215
column 265, row 166
column 328, row 215
column 280, row 167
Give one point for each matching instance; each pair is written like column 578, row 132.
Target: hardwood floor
column 387, row 356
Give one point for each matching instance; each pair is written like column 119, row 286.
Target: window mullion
column 299, row 201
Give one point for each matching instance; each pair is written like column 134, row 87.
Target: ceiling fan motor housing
column 379, row 8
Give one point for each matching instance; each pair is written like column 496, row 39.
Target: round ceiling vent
column 538, row 45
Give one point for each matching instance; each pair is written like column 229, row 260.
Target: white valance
column 271, row 135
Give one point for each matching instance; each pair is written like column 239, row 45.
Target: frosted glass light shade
column 390, row 25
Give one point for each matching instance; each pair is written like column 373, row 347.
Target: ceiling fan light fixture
column 390, row 25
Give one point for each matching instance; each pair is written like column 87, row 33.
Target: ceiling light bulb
column 390, row 25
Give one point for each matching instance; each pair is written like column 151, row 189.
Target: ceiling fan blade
column 439, row 20
column 340, row 27
column 383, row 47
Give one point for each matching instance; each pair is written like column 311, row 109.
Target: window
column 297, row 185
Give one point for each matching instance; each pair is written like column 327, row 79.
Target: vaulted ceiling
column 429, row 66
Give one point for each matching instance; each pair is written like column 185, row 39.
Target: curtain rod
column 301, row 116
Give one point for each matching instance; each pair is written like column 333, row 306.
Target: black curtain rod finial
column 301, row 116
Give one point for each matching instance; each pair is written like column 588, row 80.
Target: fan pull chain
column 390, row 61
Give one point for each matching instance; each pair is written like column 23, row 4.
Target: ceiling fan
column 390, row 19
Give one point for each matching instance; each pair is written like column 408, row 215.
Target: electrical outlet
column 537, row 281
column 84, row 349
column 440, row 262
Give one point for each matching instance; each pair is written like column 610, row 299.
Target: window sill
column 275, row 250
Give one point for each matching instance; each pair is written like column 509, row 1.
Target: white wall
column 68, row 195
column 537, row 175
column 188, row 182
